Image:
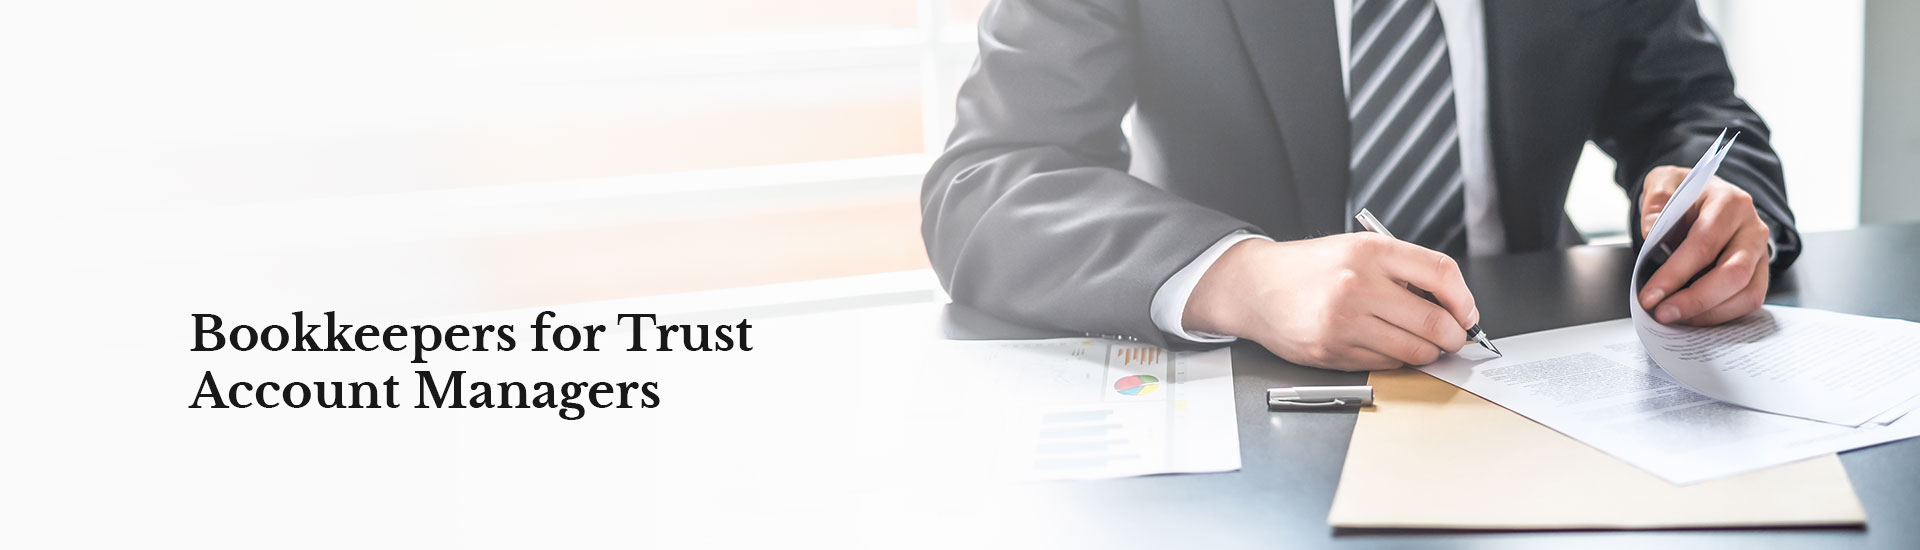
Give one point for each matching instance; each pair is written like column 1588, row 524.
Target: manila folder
column 1428, row 455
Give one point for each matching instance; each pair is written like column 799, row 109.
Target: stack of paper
column 1597, row 384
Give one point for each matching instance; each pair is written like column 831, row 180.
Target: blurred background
column 487, row 154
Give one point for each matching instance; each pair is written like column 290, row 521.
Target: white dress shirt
column 1465, row 23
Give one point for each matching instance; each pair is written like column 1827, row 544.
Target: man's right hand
column 1336, row 302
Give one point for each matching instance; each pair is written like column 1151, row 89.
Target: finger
column 1705, row 239
column 1746, row 301
column 1727, row 278
column 1433, row 272
column 1730, row 273
column 1656, row 191
column 1386, row 339
column 1411, row 313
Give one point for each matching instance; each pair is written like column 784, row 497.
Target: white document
column 1085, row 408
column 1820, row 365
column 1596, row 384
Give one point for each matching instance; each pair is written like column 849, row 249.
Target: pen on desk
column 1319, row 396
column 1473, row 334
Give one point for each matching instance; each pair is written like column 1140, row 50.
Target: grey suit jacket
column 1040, row 211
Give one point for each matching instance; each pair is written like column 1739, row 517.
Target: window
column 535, row 152
column 1808, row 90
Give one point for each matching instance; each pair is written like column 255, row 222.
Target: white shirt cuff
column 1170, row 302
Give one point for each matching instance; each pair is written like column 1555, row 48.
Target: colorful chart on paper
column 1139, row 384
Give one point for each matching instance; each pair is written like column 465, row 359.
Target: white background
column 255, row 158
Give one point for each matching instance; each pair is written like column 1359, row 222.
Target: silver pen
column 1474, row 334
column 1304, row 397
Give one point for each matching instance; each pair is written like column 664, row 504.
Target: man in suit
column 1260, row 126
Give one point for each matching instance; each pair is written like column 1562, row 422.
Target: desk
column 1292, row 461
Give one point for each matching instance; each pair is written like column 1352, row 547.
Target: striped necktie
column 1406, row 141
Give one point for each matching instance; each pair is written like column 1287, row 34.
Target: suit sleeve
column 1029, row 214
column 1672, row 93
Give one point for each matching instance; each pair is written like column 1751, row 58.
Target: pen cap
column 1316, row 394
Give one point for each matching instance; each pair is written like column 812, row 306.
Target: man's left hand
column 1723, row 232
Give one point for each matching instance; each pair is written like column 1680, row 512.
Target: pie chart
column 1139, row 384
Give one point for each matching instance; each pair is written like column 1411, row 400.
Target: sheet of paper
column 1820, row 365
column 1083, row 408
column 1596, row 384
column 1824, row 366
column 1428, row 455
column 1897, row 412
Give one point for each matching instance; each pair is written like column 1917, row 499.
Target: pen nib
column 1488, row 343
